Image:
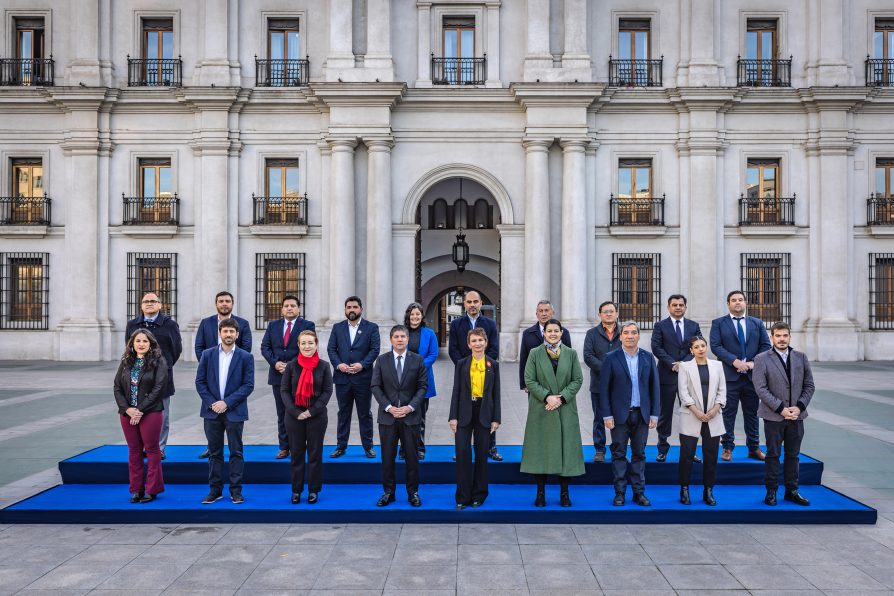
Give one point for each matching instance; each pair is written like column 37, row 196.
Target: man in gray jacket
column 784, row 384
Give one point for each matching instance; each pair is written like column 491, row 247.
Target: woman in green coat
column 552, row 432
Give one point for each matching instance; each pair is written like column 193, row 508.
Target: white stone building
column 727, row 144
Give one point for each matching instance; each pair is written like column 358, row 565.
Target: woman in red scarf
column 305, row 391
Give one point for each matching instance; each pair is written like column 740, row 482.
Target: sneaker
column 211, row 497
column 237, row 498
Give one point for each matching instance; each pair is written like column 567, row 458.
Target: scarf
column 306, row 380
column 553, row 351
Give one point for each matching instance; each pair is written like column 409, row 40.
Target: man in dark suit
column 629, row 401
column 399, row 383
column 167, row 332
column 207, row 333
column 533, row 337
column 278, row 347
column 458, row 347
column 784, row 384
column 736, row 339
column 600, row 340
column 353, row 348
column 224, row 380
column 670, row 344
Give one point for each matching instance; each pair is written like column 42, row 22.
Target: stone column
column 215, row 65
column 83, row 66
column 423, row 44
column 493, row 45
column 537, row 56
column 832, row 66
column 512, row 237
column 342, row 217
column 537, row 216
column 341, row 53
column 588, row 260
column 211, row 224
column 378, row 41
column 574, row 230
column 703, row 63
column 328, row 236
column 575, row 59
column 379, row 260
column 404, row 270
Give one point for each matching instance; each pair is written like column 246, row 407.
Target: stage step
column 108, row 465
column 356, row 503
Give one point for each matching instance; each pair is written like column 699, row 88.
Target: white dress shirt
column 736, row 325
column 223, row 367
column 403, row 362
column 353, row 329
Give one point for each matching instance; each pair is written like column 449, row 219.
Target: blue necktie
column 679, row 333
column 740, row 330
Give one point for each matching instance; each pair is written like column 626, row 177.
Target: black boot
column 684, row 495
column 708, row 496
column 540, row 500
column 564, row 499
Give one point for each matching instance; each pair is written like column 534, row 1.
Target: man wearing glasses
column 167, row 332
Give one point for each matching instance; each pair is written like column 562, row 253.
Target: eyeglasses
column 151, row 301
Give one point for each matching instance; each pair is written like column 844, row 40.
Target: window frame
column 886, row 321
column 9, row 290
column 13, row 15
column 749, row 262
column 264, row 307
column 135, row 289
column 650, row 262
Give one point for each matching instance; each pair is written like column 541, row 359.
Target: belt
column 634, row 409
column 477, row 398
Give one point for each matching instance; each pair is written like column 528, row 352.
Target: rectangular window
column 152, row 272
column 760, row 39
column 158, row 53
column 156, row 200
column 881, row 291
column 29, row 68
column 24, row 290
column 277, row 274
column 634, row 192
column 884, row 177
column 29, row 38
column 634, row 41
column 283, row 39
column 883, row 39
column 762, row 184
column 27, row 204
column 636, row 287
column 283, row 203
column 766, row 279
column 458, row 37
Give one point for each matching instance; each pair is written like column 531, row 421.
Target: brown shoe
column 282, row 454
column 757, row 454
column 727, row 455
column 599, row 456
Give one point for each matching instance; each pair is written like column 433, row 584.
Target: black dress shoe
column 540, row 499
column 370, row 453
column 708, row 496
column 312, row 498
column 204, row 454
column 684, row 495
column 696, row 459
column 135, row 497
column 339, row 451
column 495, row 455
column 564, row 499
column 296, row 498
column 642, row 500
column 478, row 503
column 770, row 499
column 420, row 455
column 618, row 500
column 148, row 498
column 795, row 497
column 460, row 506
column 414, row 500
column 385, row 499
column 662, row 457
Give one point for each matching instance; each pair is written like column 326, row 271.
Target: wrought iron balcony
column 638, row 211
column 764, row 73
column 282, row 73
column 458, row 71
column 26, row 72
column 879, row 72
column 25, row 211
column 154, row 72
column 767, row 211
column 880, row 210
column 280, row 211
column 635, row 73
column 151, row 211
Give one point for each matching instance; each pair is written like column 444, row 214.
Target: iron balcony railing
column 767, row 211
column 879, row 72
column 25, row 211
column 639, row 211
column 458, row 71
column 151, row 211
column 26, row 72
column 764, row 73
column 280, row 211
column 635, row 73
column 282, row 73
column 880, row 210
column 154, row 72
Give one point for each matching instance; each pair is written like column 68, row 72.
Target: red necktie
column 285, row 338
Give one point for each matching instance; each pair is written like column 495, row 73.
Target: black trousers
column 471, row 481
column 598, row 424
column 666, row 416
column 710, row 448
column 215, row 429
column 635, row 432
column 350, row 396
column 783, row 435
column 420, row 440
column 389, row 435
column 306, row 437
column 281, row 435
column 741, row 390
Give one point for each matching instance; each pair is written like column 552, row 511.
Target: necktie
column 679, row 333
column 400, row 368
column 285, row 338
column 740, row 330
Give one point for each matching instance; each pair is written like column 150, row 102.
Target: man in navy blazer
column 736, row 339
column 458, row 344
column 279, row 346
column 224, row 380
column 670, row 344
column 353, row 349
column 629, row 409
column 533, row 337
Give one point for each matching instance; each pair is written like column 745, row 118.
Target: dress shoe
column 478, row 503
column 163, row 456
column 618, row 500
column 599, row 457
column 564, row 499
column 339, row 451
column 414, row 500
column 770, row 499
column 211, row 498
column 727, row 455
column 540, row 499
column 757, row 454
column 696, row 459
column 795, row 497
column 662, row 457
column 684, row 495
column 460, row 506
column 420, row 455
column 385, row 499
column 312, row 498
column 708, row 496
column 135, row 497
column 148, row 498
column 370, row 453
column 296, row 498
column 204, row 454
column 237, row 498
column 642, row 500
column 495, row 455
column 282, row 454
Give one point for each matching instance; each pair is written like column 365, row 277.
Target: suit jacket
column 167, row 332
column 207, row 334
column 409, row 391
column 616, row 389
column 771, row 382
column 531, row 338
column 429, row 350
column 461, row 401
column 364, row 350
column 273, row 350
column 322, row 389
column 689, row 388
column 150, row 387
column 596, row 346
column 725, row 342
column 240, row 383
column 668, row 349
column 458, row 340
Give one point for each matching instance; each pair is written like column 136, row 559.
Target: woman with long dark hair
column 424, row 342
column 139, row 383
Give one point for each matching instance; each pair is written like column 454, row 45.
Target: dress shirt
column 223, row 364
column 353, row 328
column 473, row 321
column 633, row 369
column 403, row 364
column 148, row 320
column 219, row 319
column 736, row 325
column 476, row 376
column 610, row 334
column 783, row 355
column 285, row 327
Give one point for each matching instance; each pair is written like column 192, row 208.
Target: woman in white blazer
column 702, row 389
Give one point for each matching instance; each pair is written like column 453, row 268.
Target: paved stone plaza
column 51, row 410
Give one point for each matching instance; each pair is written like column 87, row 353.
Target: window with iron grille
column 766, row 280
column 636, row 287
column 277, row 274
column 881, row 291
column 152, row 272
column 24, row 290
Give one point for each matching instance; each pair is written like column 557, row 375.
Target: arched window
column 461, row 214
column 437, row 215
column 482, row 219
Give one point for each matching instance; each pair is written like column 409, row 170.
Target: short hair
column 780, row 326
column 228, row 323
column 606, row 303
column 694, row 339
column 311, row 333
column 627, row 324
column 290, row 297
column 546, row 302
column 476, row 331
column 224, row 293
column 354, row 299
column 414, row 306
column 734, row 292
column 673, row 297
column 399, row 329
column 553, row 322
